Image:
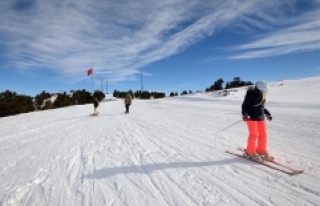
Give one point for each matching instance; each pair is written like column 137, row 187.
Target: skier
column 127, row 102
column 254, row 111
column 95, row 106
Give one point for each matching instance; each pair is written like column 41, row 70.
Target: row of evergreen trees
column 184, row 92
column 236, row 82
column 63, row 99
column 139, row 94
column 12, row 103
column 217, row 85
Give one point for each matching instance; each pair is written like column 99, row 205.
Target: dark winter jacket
column 128, row 99
column 95, row 103
column 253, row 105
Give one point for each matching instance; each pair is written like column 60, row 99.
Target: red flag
column 90, row 71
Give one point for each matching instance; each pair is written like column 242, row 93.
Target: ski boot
column 266, row 155
column 254, row 157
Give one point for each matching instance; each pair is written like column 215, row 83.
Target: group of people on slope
column 127, row 103
column 253, row 112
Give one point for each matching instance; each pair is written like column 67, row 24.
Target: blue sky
column 176, row 44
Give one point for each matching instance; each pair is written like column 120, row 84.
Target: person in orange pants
column 254, row 112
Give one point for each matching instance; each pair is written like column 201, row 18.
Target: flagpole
column 90, row 72
column 92, row 84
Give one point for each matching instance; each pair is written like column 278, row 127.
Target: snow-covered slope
column 165, row 152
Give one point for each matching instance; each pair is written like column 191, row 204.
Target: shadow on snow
column 150, row 168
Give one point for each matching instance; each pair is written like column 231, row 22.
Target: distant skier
column 127, row 102
column 254, row 111
column 95, row 106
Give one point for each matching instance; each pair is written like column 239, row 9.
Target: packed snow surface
column 169, row 151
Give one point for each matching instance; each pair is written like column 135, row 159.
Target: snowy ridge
column 165, row 152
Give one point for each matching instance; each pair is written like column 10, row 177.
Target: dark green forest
column 12, row 103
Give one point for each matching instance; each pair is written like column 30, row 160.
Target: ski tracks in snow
column 164, row 152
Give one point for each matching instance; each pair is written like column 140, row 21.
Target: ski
column 93, row 114
column 297, row 171
column 267, row 164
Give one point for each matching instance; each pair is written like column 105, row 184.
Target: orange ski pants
column 257, row 139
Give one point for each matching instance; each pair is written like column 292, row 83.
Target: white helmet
column 262, row 86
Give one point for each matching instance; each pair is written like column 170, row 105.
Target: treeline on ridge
column 139, row 94
column 12, row 103
column 217, row 85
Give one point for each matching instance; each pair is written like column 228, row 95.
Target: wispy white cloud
column 118, row 38
column 300, row 34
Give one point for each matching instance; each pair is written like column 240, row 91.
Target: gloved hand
column 245, row 118
column 269, row 118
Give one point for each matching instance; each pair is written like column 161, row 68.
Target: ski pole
column 228, row 127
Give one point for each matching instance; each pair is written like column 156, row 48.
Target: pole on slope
column 101, row 85
column 228, row 127
column 141, row 83
column 106, row 86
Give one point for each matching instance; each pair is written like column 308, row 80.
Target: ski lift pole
column 228, row 127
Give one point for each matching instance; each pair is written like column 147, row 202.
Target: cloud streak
column 119, row 38
column 301, row 34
